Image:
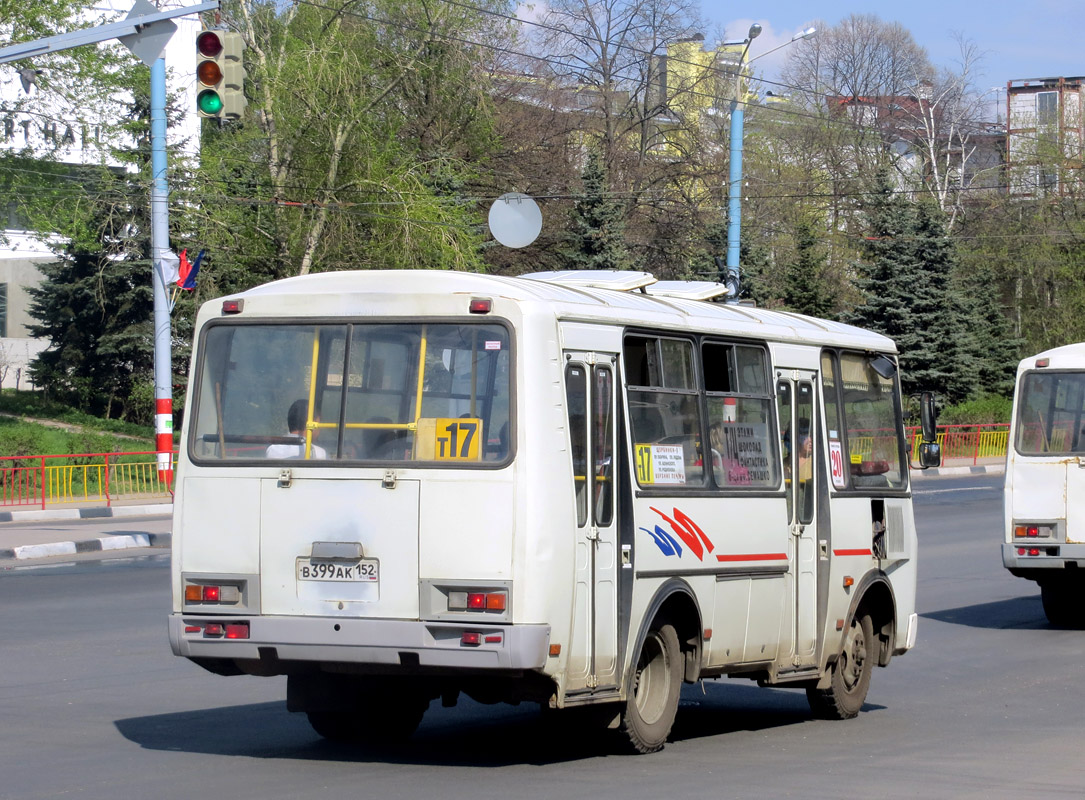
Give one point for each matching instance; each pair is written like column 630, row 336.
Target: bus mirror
column 927, row 417
column 930, row 454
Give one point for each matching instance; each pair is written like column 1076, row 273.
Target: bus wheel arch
column 667, row 651
column 869, row 631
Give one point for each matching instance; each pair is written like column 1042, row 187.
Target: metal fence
column 52, row 480
column 968, row 444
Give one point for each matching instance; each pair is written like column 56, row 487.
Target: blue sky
column 1037, row 39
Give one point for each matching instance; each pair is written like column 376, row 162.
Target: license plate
column 364, row 571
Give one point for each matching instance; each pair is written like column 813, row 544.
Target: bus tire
column 850, row 677
column 653, row 697
column 1062, row 604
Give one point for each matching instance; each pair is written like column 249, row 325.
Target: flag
column 183, row 268
column 187, row 278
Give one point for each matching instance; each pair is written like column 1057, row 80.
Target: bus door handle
column 797, row 529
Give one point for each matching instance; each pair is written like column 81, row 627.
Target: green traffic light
column 209, row 102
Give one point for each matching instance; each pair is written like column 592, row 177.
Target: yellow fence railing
column 85, row 477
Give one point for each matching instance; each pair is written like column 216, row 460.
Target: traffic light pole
column 145, row 31
column 160, row 258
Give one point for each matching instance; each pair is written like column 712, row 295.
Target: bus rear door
column 591, row 406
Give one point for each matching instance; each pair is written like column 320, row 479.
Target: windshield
column 353, row 392
column 1049, row 413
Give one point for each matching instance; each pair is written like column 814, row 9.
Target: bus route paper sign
column 836, row 463
column 660, row 463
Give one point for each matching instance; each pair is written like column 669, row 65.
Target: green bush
column 984, row 410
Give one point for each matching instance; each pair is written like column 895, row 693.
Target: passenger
column 295, row 423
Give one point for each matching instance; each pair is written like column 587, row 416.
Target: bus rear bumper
column 1048, row 557
column 389, row 644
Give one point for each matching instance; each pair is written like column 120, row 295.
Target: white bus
column 1044, row 536
column 569, row 488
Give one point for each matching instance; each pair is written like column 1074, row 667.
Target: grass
column 20, row 436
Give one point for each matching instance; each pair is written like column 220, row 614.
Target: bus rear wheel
column 850, row 677
column 653, row 699
column 1063, row 604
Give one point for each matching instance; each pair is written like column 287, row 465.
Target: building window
column 1047, row 109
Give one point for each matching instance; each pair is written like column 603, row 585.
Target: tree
column 357, row 147
column 906, row 293
column 596, row 230
column 805, row 290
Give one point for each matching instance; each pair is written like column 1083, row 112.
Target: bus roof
column 1068, row 356
column 577, row 296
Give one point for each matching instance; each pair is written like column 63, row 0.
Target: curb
column 937, row 472
column 61, row 514
column 104, row 543
column 119, row 542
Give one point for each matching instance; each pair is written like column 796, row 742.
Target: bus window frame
column 347, row 322
column 1017, row 410
column 708, row 487
column 849, row 487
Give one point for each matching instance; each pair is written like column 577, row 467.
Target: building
column 1045, row 135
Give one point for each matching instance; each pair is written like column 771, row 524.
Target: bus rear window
column 353, row 393
column 1050, row 413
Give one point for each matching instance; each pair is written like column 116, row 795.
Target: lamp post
column 734, row 190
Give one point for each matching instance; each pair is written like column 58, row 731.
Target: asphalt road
column 93, row 705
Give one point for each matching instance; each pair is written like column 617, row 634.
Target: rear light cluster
column 477, row 601
column 1037, row 551
column 218, row 594
column 220, row 630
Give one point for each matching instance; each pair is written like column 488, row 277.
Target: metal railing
column 51, row 480
column 962, row 444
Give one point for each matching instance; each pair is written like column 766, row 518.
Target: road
column 94, row 705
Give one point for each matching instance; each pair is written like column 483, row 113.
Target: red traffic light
column 208, row 44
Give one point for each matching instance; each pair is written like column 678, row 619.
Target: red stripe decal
column 754, row 557
column 859, row 552
column 163, row 405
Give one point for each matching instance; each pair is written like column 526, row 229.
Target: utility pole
column 145, row 31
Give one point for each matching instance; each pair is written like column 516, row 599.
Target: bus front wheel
column 657, row 682
column 850, row 677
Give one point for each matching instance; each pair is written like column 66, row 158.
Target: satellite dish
column 515, row 219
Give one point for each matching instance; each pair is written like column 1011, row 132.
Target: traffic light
column 220, row 74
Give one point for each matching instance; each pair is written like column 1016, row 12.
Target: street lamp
column 734, row 195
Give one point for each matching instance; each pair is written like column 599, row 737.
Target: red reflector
column 476, row 600
column 471, row 639
column 193, row 629
column 210, row 594
column 237, row 630
column 232, row 306
column 1020, row 551
column 495, row 601
column 493, row 638
column 481, row 305
column 1034, row 551
column 213, row 629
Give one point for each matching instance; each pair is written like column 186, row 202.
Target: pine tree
column 907, row 294
column 990, row 341
column 597, row 230
column 804, row 288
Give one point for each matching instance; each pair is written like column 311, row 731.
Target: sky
column 1037, row 39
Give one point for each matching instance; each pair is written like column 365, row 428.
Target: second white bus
column 570, row 488
column 1044, row 533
